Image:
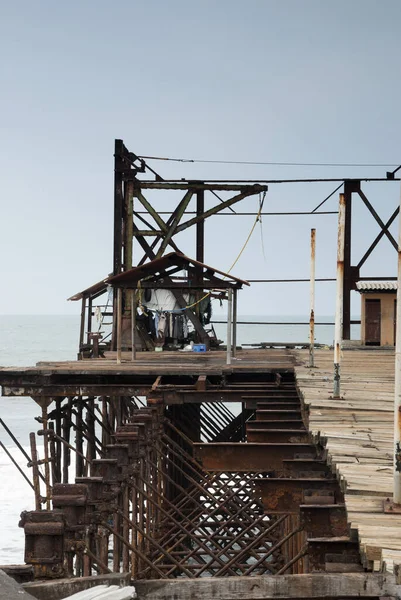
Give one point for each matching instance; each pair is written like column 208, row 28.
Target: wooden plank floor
column 159, row 363
column 359, row 431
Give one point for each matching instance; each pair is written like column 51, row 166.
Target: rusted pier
column 191, row 470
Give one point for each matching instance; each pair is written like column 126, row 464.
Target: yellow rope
column 247, row 239
column 238, row 257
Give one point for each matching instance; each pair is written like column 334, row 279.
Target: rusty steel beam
column 285, row 495
column 199, row 186
column 248, row 457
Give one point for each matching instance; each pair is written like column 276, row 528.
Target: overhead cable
column 277, row 164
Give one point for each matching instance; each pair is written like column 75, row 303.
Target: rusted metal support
column 128, row 225
column 151, row 211
column 176, row 219
column 82, row 326
column 235, row 308
column 133, row 326
column 338, row 328
column 397, row 394
column 66, row 437
column 46, row 452
column 89, row 321
column 119, row 324
column 229, row 325
column 118, row 205
column 312, row 299
column 79, row 460
column 58, row 443
column 200, row 226
column 251, row 190
column 35, row 471
column 52, row 450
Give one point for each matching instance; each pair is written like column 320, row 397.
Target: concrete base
column 335, row 585
column 11, row 590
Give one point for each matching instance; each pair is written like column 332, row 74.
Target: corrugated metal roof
column 97, row 288
column 379, row 286
column 152, row 267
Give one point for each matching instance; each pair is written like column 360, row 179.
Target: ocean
column 26, row 340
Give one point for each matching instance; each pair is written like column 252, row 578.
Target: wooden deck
column 160, row 363
column 358, row 428
column 359, row 431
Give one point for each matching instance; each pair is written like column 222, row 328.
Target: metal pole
column 46, row 452
column 35, row 471
column 312, row 298
column 338, row 328
column 229, row 319
column 133, row 325
column 235, row 297
column 397, row 395
column 119, row 323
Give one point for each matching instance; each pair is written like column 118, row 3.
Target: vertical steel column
column 338, row 329
column 200, row 226
column 128, row 240
column 89, row 320
column 235, row 298
column 349, row 188
column 118, row 206
column 397, row 395
column 128, row 224
column 82, row 327
column 200, row 249
column 119, row 323
column 133, row 325
column 118, row 225
column 229, row 323
column 35, row 471
column 312, row 298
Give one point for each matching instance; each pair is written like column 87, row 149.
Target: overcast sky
column 265, row 80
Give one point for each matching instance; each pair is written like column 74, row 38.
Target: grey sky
column 263, row 80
